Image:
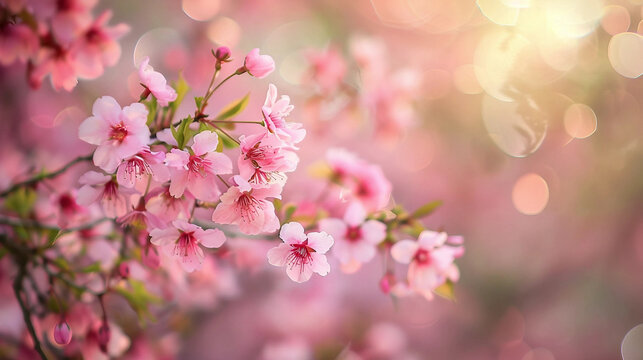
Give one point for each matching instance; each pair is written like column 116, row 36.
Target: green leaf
column 151, row 105
column 182, row 88
column 225, row 140
column 21, row 201
column 198, row 101
column 52, row 236
column 234, row 108
column 289, row 211
column 138, row 298
column 95, row 267
column 426, row 209
column 183, row 133
column 446, row 290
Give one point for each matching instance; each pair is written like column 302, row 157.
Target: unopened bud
column 62, row 333
column 103, row 336
column 387, row 282
column 123, row 270
column 222, row 54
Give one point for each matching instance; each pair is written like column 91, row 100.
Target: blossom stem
column 223, row 181
column 236, row 122
column 26, row 314
column 44, row 176
column 36, row 225
column 226, row 134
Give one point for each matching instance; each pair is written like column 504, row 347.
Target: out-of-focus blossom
column 167, row 207
column 248, row 207
column 327, row 69
column 58, row 63
column 104, row 189
column 355, row 239
column 289, row 349
column 140, row 218
column 155, row 82
column 142, row 165
column 119, row 133
column 17, row 41
column 301, row 254
column 196, row 171
column 97, row 47
column 275, row 112
column 264, row 157
column 69, row 18
column 183, row 241
column 430, row 259
column 257, row 65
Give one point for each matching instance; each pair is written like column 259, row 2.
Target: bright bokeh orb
column 580, row 121
column 632, row 345
column 201, row 10
column 616, row 19
column 530, row 194
column 224, row 31
column 498, row 12
column 625, row 52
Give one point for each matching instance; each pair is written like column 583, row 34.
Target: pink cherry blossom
column 182, row 242
column 355, row 239
column 141, row 218
column 257, row 65
column 97, row 47
column 248, row 207
column 57, row 62
column 167, row 207
column 301, row 254
column 327, row 69
column 104, row 189
column 69, row 18
column 197, row 171
column 119, row 133
column 142, row 165
column 264, row 157
column 155, row 82
column 17, row 41
column 430, row 259
column 274, row 114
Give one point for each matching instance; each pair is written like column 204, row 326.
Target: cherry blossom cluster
column 61, row 39
column 374, row 90
column 172, row 204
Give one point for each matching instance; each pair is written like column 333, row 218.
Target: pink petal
column 205, row 142
column 177, row 159
column 178, row 183
column 221, row 163
column 94, row 178
column 107, row 158
column 93, row 130
column 108, row 109
column 355, row 214
column 164, row 237
column 373, row 231
column 87, row 195
column 278, row 255
column 299, row 274
column 334, row 227
column 319, row 264
column 292, row 233
column 430, row 239
column 203, row 188
column 403, row 251
column 211, row 238
column 320, row 241
column 193, row 260
column 123, row 177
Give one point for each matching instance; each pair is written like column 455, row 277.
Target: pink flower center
column 137, row 167
column 198, row 165
column 248, row 206
column 299, row 255
column 265, row 177
column 422, row 257
column 259, row 155
column 64, row 5
column 111, row 190
column 353, row 233
column 186, row 244
column 67, row 204
column 118, row 132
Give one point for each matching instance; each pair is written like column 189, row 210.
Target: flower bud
column 123, row 270
column 62, row 333
column 103, row 336
column 257, row 65
column 222, row 54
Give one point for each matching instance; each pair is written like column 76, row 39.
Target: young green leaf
column 426, row 209
column 446, row 290
column 233, row 109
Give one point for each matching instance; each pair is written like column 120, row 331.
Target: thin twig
column 44, row 176
column 17, row 288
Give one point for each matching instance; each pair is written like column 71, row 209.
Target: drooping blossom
column 183, row 240
column 264, row 158
column 257, row 65
column 141, row 218
column 142, row 165
column 301, row 254
column 355, row 239
column 104, row 189
column 248, row 207
column 274, row 114
column 155, row 82
column 430, row 260
column 119, row 133
column 196, row 171
column 17, row 41
column 97, row 48
column 167, row 207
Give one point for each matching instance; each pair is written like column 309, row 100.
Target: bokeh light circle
column 156, row 43
column 632, row 345
column 530, row 194
column 464, row 79
column 201, row 10
column 616, row 19
column 580, row 121
column 625, row 52
column 224, row 31
column 498, row 12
